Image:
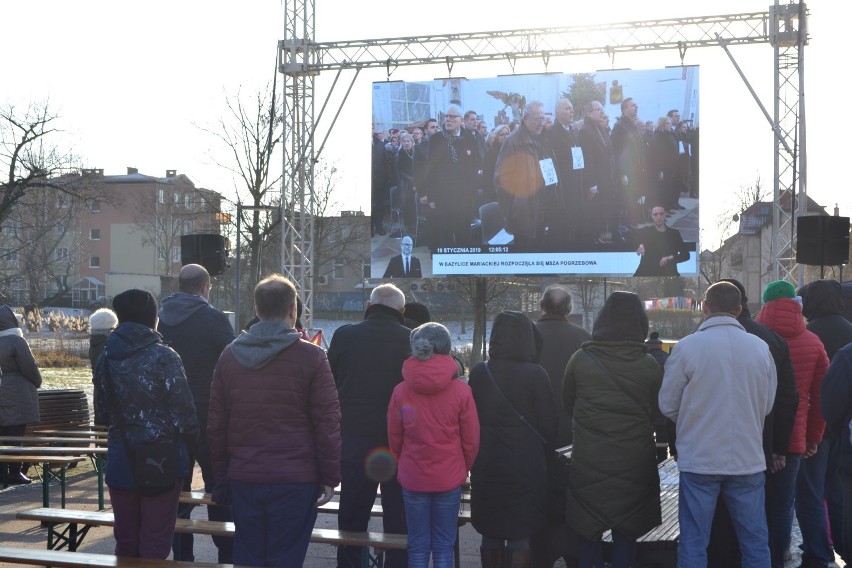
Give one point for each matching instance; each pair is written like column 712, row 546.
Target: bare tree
column 28, row 158
column 715, row 264
column 251, row 130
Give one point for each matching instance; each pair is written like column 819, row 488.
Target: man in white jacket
column 718, row 387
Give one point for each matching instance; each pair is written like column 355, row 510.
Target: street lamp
column 240, row 209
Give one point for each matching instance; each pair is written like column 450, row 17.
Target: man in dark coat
column 822, row 305
column 599, row 186
column 450, row 185
column 519, row 181
column 366, row 360
column 629, row 149
column 723, row 551
column 559, row 340
column 564, row 203
column 509, row 494
column 198, row 332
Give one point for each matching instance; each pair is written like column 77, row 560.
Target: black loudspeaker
column 822, row 240
column 208, row 250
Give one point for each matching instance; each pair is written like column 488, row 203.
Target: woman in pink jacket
column 433, row 432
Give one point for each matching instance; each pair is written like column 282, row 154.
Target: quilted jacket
column 784, row 316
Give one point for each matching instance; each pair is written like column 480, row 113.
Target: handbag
column 154, row 464
column 558, row 464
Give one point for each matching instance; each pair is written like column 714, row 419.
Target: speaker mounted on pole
column 205, row 249
column 822, row 240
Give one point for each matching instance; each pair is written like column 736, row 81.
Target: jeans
column 744, row 496
column 357, row 496
column 273, row 522
column 590, row 553
column 810, row 511
column 781, row 496
column 432, row 527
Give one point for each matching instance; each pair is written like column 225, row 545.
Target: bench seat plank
column 377, row 540
column 65, row 559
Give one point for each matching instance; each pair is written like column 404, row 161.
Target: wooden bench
column 49, row 471
column 79, row 522
column 62, row 409
column 96, row 452
column 66, row 559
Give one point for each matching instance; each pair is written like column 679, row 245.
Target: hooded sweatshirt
column 433, row 429
column 198, row 332
column 274, row 414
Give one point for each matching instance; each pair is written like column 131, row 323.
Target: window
column 365, row 271
column 94, row 262
column 176, row 197
column 187, row 228
column 409, row 103
column 161, row 195
column 59, row 228
column 187, row 200
column 94, row 234
column 61, row 254
column 62, row 201
column 95, row 206
column 175, row 254
column 337, row 268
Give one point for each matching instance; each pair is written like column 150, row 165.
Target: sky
column 135, row 83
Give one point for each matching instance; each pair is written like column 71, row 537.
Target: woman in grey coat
column 19, row 381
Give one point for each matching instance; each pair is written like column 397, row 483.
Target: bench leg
column 100, row 464
column 71, row 537
column 370, row 561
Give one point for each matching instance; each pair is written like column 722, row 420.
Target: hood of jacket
column 256, row 347
column 514, row 337
column 128, row 338
column 7, row 318
column 821, row 298
column 783, row 316
column 622, row 318
column 178, row 307
column 430, row 376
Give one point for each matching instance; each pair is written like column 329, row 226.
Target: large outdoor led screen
column 558, row 173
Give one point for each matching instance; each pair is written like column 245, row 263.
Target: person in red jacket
column 782, row 312
column 274, row 431
column 433, row 431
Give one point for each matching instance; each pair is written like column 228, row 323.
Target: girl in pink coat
column 433, row 431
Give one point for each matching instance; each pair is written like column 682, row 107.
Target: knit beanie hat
column 137, row 306
column 102, row 321
column 778, row 289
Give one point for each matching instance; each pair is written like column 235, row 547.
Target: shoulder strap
column 521, row 417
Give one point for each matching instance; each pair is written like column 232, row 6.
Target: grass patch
column 51, row 359
column 67, row 378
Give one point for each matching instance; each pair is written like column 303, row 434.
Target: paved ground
column 82, row 494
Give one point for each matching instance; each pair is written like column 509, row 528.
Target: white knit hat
column 102, row 320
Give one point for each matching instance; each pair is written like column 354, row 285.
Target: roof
column 758, row 215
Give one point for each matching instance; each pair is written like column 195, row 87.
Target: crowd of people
column 562, row 182
column 756, row 412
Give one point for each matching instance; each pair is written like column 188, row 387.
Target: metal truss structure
column 301, row 60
